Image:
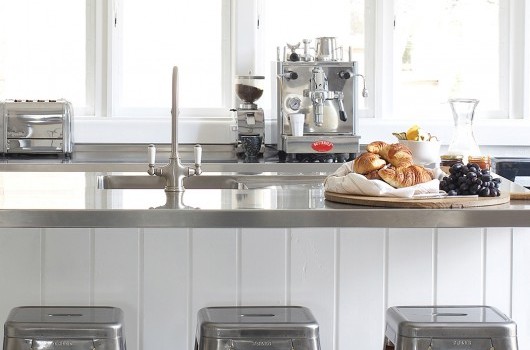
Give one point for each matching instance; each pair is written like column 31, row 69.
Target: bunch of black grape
column 470, row 180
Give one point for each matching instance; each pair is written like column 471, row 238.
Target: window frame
column 103, row 21
column 511, row 20
column 242, row 33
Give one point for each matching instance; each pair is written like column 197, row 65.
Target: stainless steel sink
column 109, row 182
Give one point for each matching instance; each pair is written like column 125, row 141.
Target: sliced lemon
column 413, row 133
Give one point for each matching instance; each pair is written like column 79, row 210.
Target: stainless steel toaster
column 448, row 328
column 257, row 328
column 64, row 328
column 36, row 127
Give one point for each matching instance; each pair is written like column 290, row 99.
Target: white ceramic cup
column 297, row 123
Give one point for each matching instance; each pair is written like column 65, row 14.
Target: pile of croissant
column 391, row 163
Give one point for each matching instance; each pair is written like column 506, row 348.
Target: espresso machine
column 250, row 118
column 317, row 83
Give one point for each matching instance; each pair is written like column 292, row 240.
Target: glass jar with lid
column 448, row 160
column 484, row 162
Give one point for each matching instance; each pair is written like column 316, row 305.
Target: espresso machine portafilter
column 324, row 89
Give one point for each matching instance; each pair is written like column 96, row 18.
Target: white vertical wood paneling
column 20, row 269
column 214, row 269
column 361, row 288
column 498, row 284
column 117, row 274
column 313, row 277
column 347, row 277
column 521, row 285
column 410, row 267
column 166, row 289
column 460, row 273
column 66, row 270
column 263, row 267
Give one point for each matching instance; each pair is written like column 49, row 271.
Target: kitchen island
column 161, row 258
column 44, row 199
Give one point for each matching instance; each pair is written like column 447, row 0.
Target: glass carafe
column 463, row 142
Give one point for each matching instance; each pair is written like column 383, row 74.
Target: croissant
column 396, row 154
column 406, row 176
column 368, row 162
column 376, row 146
column 373, row 175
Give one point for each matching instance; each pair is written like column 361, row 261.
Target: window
column 154, row 37
column 283, row 22
column 43, row 50
column 118, row 54
column 445, row 49
column 114, row 58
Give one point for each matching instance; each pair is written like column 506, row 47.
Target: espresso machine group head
column 323, row 88
column 319, row 93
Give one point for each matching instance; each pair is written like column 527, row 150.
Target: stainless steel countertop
column 133, row 158
column 55, row 192
column 71, row 199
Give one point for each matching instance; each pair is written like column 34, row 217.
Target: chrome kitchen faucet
column 174, row 172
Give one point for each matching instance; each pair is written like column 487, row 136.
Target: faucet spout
column 174, row 172
column 174, row 112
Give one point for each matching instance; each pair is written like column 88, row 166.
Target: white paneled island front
column 65, row 242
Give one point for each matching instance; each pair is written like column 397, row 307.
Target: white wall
column 347, row 277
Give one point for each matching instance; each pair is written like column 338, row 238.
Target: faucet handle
column 197, row 152
column 151, row 154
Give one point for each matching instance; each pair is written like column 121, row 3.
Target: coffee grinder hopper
column 249, row 89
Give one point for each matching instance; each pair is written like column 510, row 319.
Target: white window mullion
column 384, row 61
column 99, row 67
column 92, row 30
column 114, row 53
column 526, row 96
column 519, row 31
column 245, row 36
column 514, row 33
column 370, row 65
column 506, row 103
column 228, row 49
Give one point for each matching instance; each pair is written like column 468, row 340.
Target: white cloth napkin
column 345, row 181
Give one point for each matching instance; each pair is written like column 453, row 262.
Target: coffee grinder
column 250, row 118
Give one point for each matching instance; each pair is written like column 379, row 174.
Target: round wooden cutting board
column 437, row 203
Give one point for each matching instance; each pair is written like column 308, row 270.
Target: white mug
column 297, row 123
